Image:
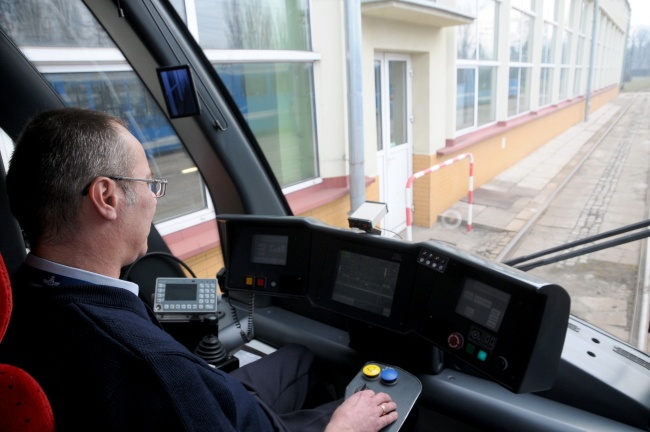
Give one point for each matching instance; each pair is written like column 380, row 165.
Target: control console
column 402, row 387
column 505, row 323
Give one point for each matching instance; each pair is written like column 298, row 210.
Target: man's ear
column 103, row 196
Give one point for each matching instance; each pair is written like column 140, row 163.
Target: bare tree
column 638, row 51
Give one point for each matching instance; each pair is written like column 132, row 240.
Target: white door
column 394, row 146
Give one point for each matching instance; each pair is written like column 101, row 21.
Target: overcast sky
column 640, row 12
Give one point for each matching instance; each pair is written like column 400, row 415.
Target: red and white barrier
column 419, row 174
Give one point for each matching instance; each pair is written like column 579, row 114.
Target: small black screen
column 483, row 304
column 269, row 249
column 184, row 292
column 179, row 91
column 365, row 282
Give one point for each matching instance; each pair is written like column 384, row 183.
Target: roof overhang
column 422, row 12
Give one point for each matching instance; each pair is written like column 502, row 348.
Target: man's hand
column 364, row 411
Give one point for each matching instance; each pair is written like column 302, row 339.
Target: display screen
column 365, row 282
column 179, row 91
column 483, row 304
column 269, row 249
column 180, row 292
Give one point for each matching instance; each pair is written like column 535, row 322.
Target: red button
column 455, row 340
column 260, row 282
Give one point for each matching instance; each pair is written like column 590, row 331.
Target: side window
column 121, row 94
column 87, row 70
column 277, row 101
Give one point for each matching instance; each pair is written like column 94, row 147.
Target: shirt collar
column 75, row 273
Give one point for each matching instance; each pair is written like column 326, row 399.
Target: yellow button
column 371, row 371
column 249, row 281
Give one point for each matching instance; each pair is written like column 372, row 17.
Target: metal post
column 355, row 103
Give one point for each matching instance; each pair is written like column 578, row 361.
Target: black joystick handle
column 210, row 348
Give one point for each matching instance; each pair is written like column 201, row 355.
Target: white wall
column 328, row 30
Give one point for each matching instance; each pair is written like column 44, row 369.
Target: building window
column 579, row 79
column 548, row 59
column 521, row 37
column 521, row 41
column 578, row 83
column 277, row 101
column 548, row 43
column 477, row 68
column 564, row 83
column 253, row 24
column 465, row 97
column 566, row 47
column 546, row 86
column 478, row 41
column 275, row 93
column 487, row 84
column 475, row 96
column 584, row 16
column 565, row 65
column 519, row 90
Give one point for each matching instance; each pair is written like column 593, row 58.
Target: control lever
column 210, row 348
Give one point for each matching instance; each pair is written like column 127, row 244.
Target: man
column 81, row 188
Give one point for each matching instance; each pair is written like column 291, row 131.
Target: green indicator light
column 470, row 349
column 482, row 355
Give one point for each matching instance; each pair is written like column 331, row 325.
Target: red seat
column 24, row 407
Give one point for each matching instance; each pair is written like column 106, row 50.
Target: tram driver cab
column 459, row 341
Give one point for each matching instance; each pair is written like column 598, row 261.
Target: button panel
column 433, row 260
column 477, row 346
column 185, row 295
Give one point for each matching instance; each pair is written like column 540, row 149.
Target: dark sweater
column 106, row 365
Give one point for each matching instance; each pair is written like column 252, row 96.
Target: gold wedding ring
column 383, row 408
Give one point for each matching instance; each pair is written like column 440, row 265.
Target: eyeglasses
column 156, row 186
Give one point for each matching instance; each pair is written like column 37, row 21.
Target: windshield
column 452, row 119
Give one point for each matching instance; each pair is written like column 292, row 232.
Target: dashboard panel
column 503, row 322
